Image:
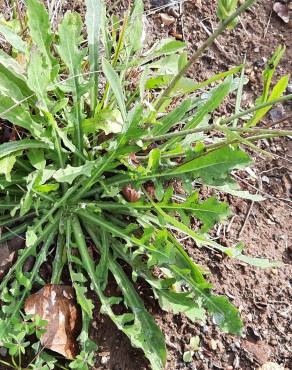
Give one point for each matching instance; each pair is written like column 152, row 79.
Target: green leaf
column 277, row 91
column 12, row 37
column 115, row 84
column 84, row 302
column 165, row 46
column 47, row 188
column 225, row 9
column 171, row 119
column 269, row 71
column 70, row 38
column 209, row 211
column 93, row 24
column 10, row 85
column 144, row 333
column 167, row 65
column 69, row 174
column 68, row 49
column 110, row 121
column 214, row 165
column 37, row 158
column 154, row 160
column 134, row 32
column 188, row 356
column 13, row 85
column 30, row 237
column 263, row 263
column 225, row 315
column 11, row 64
column 38, row 77
column 39, row 26
column 15, row 146
column 6, row 166
column 195, row 343
column 231, row 187
column 214, row 98
column 17, row 115
column 103, row 266
column 175, row 303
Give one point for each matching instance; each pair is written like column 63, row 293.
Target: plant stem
column 19, row 16
column 13, row 232
column 223, row 143
column 11, row 221
column 59, row 261
column 218, row 128
column 58, row 204
column 200, row 51
column 224, row 122
column 239, row 92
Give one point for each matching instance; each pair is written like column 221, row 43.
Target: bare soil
column 263, row 296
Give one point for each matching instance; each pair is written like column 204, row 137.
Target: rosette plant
column 104, row 129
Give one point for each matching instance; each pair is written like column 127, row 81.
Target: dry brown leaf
column 150, row 188
column 6, row 259
column 8, row 251
column 57, row 305
column 260, row 350
column 282, row 10
column 130, row 194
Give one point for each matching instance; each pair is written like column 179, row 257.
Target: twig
column 230, row 224
column 268, row 24
column 246, row 219
column 279, row 120
column 22, row 26
column 217, row 44
column 181, row 9
column 223, row 122
column 282, row 200
column 200, row 51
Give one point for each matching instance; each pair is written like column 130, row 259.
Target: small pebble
column 3, row 351
column 104, row 360
column 274, row 342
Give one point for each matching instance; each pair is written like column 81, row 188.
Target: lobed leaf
column 40, row 32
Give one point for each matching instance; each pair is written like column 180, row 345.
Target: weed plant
column 104, row 130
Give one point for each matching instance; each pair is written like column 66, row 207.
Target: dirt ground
column 263, row 296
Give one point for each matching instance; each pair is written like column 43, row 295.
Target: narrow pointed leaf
column 115, row 85
column 93, row 24
column 16, row 146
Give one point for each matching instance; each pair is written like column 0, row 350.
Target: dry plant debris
column 282, row 10
column 57, row 305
